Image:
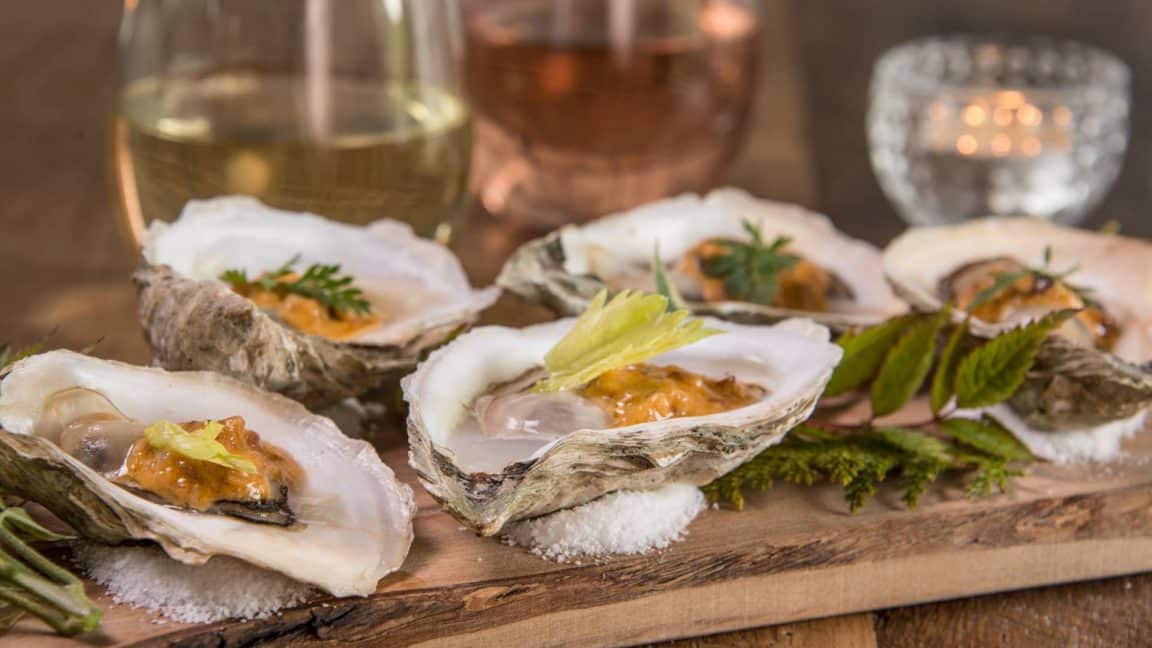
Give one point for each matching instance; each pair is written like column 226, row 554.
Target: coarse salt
column 622, row 523
column 1100, row 443
column 222, row 588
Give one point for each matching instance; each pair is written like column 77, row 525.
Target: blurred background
column 805, row 139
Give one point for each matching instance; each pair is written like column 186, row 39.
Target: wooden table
column 64, row 266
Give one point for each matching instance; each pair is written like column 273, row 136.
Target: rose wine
column 367, row 151
column 574, row 120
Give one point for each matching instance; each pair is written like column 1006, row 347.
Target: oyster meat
column 493, row 451
column 415, row 296
column 1006, row 271
column 203, row 465
column 831, row 278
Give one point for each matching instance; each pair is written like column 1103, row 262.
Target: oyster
column 417, row 294
column 300, row 497
column 837, row 281
column 544, row 452
column 1092, row 370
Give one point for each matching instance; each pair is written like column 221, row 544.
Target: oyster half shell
column 487, row 482
column 566, row 268
column 1071, row 385
column 192, row 320
column 353, row 518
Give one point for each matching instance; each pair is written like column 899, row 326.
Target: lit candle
column 1002, row 124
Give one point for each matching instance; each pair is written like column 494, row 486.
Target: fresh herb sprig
column 1003, row 280
column 319, row 281
column 893, row 361
column 29, row 582
column 750, row 270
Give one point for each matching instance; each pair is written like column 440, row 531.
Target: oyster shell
column 353, row 519
column 488, row 482
column 566, row 268
column 192, row 320
column 1072, row 385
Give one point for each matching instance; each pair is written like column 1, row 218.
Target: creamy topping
column 642, row 393
column 1030, row 296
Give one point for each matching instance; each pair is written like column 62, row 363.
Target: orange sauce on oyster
column 1033, row 294
column 310, row 316
column 196, row 484
column 803, row 286
column 642, row 393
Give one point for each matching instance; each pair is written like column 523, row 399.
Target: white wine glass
column 347, row 108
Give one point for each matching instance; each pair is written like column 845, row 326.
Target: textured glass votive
column 963, row 127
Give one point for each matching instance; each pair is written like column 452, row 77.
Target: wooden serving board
column 792, row 554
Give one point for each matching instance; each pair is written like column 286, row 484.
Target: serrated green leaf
column 863, row 354
column 990, row 374
column 988, row 436
column 944, row 380
column 906, row 366
column 917, row 444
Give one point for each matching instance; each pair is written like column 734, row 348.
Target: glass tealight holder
column 964, row 127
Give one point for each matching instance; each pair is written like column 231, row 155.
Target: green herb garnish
column 664, row 285
column 322, row 282
column 1003, row 280
column 750, row 270
column 199, row 444
column 30, row 583
column 893, row 360
column 630, row 328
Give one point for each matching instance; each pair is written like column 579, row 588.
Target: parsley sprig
column 750, row 270
column 319, row 281
column 1003, row 280
column 894, row 360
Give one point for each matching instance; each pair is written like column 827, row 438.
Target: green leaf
column 993, row 372
column 750, row 269
column 631, row 328
column 988, row 436
column 664, row 285
column 906, row 366
column 200, row 444
column 944, row 380
column 916, row 444
column 863, row 353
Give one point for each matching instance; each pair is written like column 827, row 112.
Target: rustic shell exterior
column 538, row 272
column 589, row 463
column 203, row 325
column 316, row 552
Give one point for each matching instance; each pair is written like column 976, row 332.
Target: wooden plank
column 793, row 554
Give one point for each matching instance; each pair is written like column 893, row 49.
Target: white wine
column 352, row 151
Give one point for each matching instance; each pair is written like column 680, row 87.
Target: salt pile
column 222, row 588
column 623, row 523
column 1100, row 443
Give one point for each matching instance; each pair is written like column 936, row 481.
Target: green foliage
column 906, row 366
column 322, row 282
column 858, row 461
column 631, row 328
column 993, row 372
column 863, row 354
column 944, row 380
column 664, row 285
column 32, row 584
column 988, row 436
column 750, row 270
column 896, row 356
